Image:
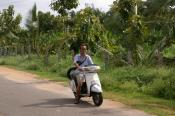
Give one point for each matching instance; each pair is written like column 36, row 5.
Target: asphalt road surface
column 21, row 94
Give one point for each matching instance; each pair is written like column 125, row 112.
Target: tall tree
column 32, row 26
column 62, row 6
column 89, row 29
column 50, row 31
column 130, row 28
column 9, row 26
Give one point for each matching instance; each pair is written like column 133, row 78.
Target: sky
column 23, row 6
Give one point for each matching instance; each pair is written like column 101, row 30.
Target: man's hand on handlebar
column 80, row 68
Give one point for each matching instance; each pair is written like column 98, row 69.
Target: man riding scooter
column 80, row 60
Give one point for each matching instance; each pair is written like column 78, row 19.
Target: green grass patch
column 170, row 51
column 152, row 105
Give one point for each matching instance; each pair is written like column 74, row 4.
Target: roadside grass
column 170, row 51
column 53, row 71
column 139, row 87
column 152, row 105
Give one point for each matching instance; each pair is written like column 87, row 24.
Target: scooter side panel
column 92, row 79
column 72, row 85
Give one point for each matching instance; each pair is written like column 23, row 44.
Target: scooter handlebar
column 91, row 68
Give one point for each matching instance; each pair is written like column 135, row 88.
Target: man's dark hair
column 84, row 44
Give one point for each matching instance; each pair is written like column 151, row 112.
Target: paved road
column 23, row 95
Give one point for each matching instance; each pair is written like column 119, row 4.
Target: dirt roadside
column 27, row 78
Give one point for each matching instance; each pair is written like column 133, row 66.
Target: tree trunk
column 38, row 51
column 5, row 51
column 129, row 57
column 159, row 57
column 59, row 55
column 22, row 50
column 1, row 51
column 106, row 59
column 29, row 51
column 64, row 53
column 46, row 57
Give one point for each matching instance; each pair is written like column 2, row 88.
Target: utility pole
column 136, row 9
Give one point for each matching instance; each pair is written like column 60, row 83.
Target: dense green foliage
column 61, row 6
column 132, row 31
column 9, row 26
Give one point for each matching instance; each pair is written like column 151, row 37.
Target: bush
column 129, row 86
column 2, row 62
column 33, row 67
column 170, row 88
column 157, row 88
column 53, row 68
column 163, row 88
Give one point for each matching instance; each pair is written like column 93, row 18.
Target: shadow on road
column 60, row 102
column 87, row 107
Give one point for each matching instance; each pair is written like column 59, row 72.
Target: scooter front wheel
column 97, row 98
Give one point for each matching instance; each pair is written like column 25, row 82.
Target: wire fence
column 107, row 58
column 12, row 51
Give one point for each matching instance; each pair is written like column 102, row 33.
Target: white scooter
column 91, row 85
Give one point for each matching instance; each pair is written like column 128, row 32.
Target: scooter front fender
column 96, row 88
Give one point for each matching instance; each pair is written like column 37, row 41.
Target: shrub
column 157, row 88
column 164, row 88
column 170, row 88
column 33, row 67
column 53, row 68
column 129, row 86
column 2, row 62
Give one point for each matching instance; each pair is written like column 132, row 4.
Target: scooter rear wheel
column 97, row 98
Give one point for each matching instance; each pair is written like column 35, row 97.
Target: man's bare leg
column 77, row 97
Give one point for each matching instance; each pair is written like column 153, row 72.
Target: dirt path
column 45, row 85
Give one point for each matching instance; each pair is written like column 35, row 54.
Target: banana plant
column 159, row 18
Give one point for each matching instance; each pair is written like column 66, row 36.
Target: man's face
column 83, row 49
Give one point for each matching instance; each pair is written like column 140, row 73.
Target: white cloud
column 104, row 5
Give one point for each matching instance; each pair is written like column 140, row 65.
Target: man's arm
column 90, row 60
column 76, row 64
